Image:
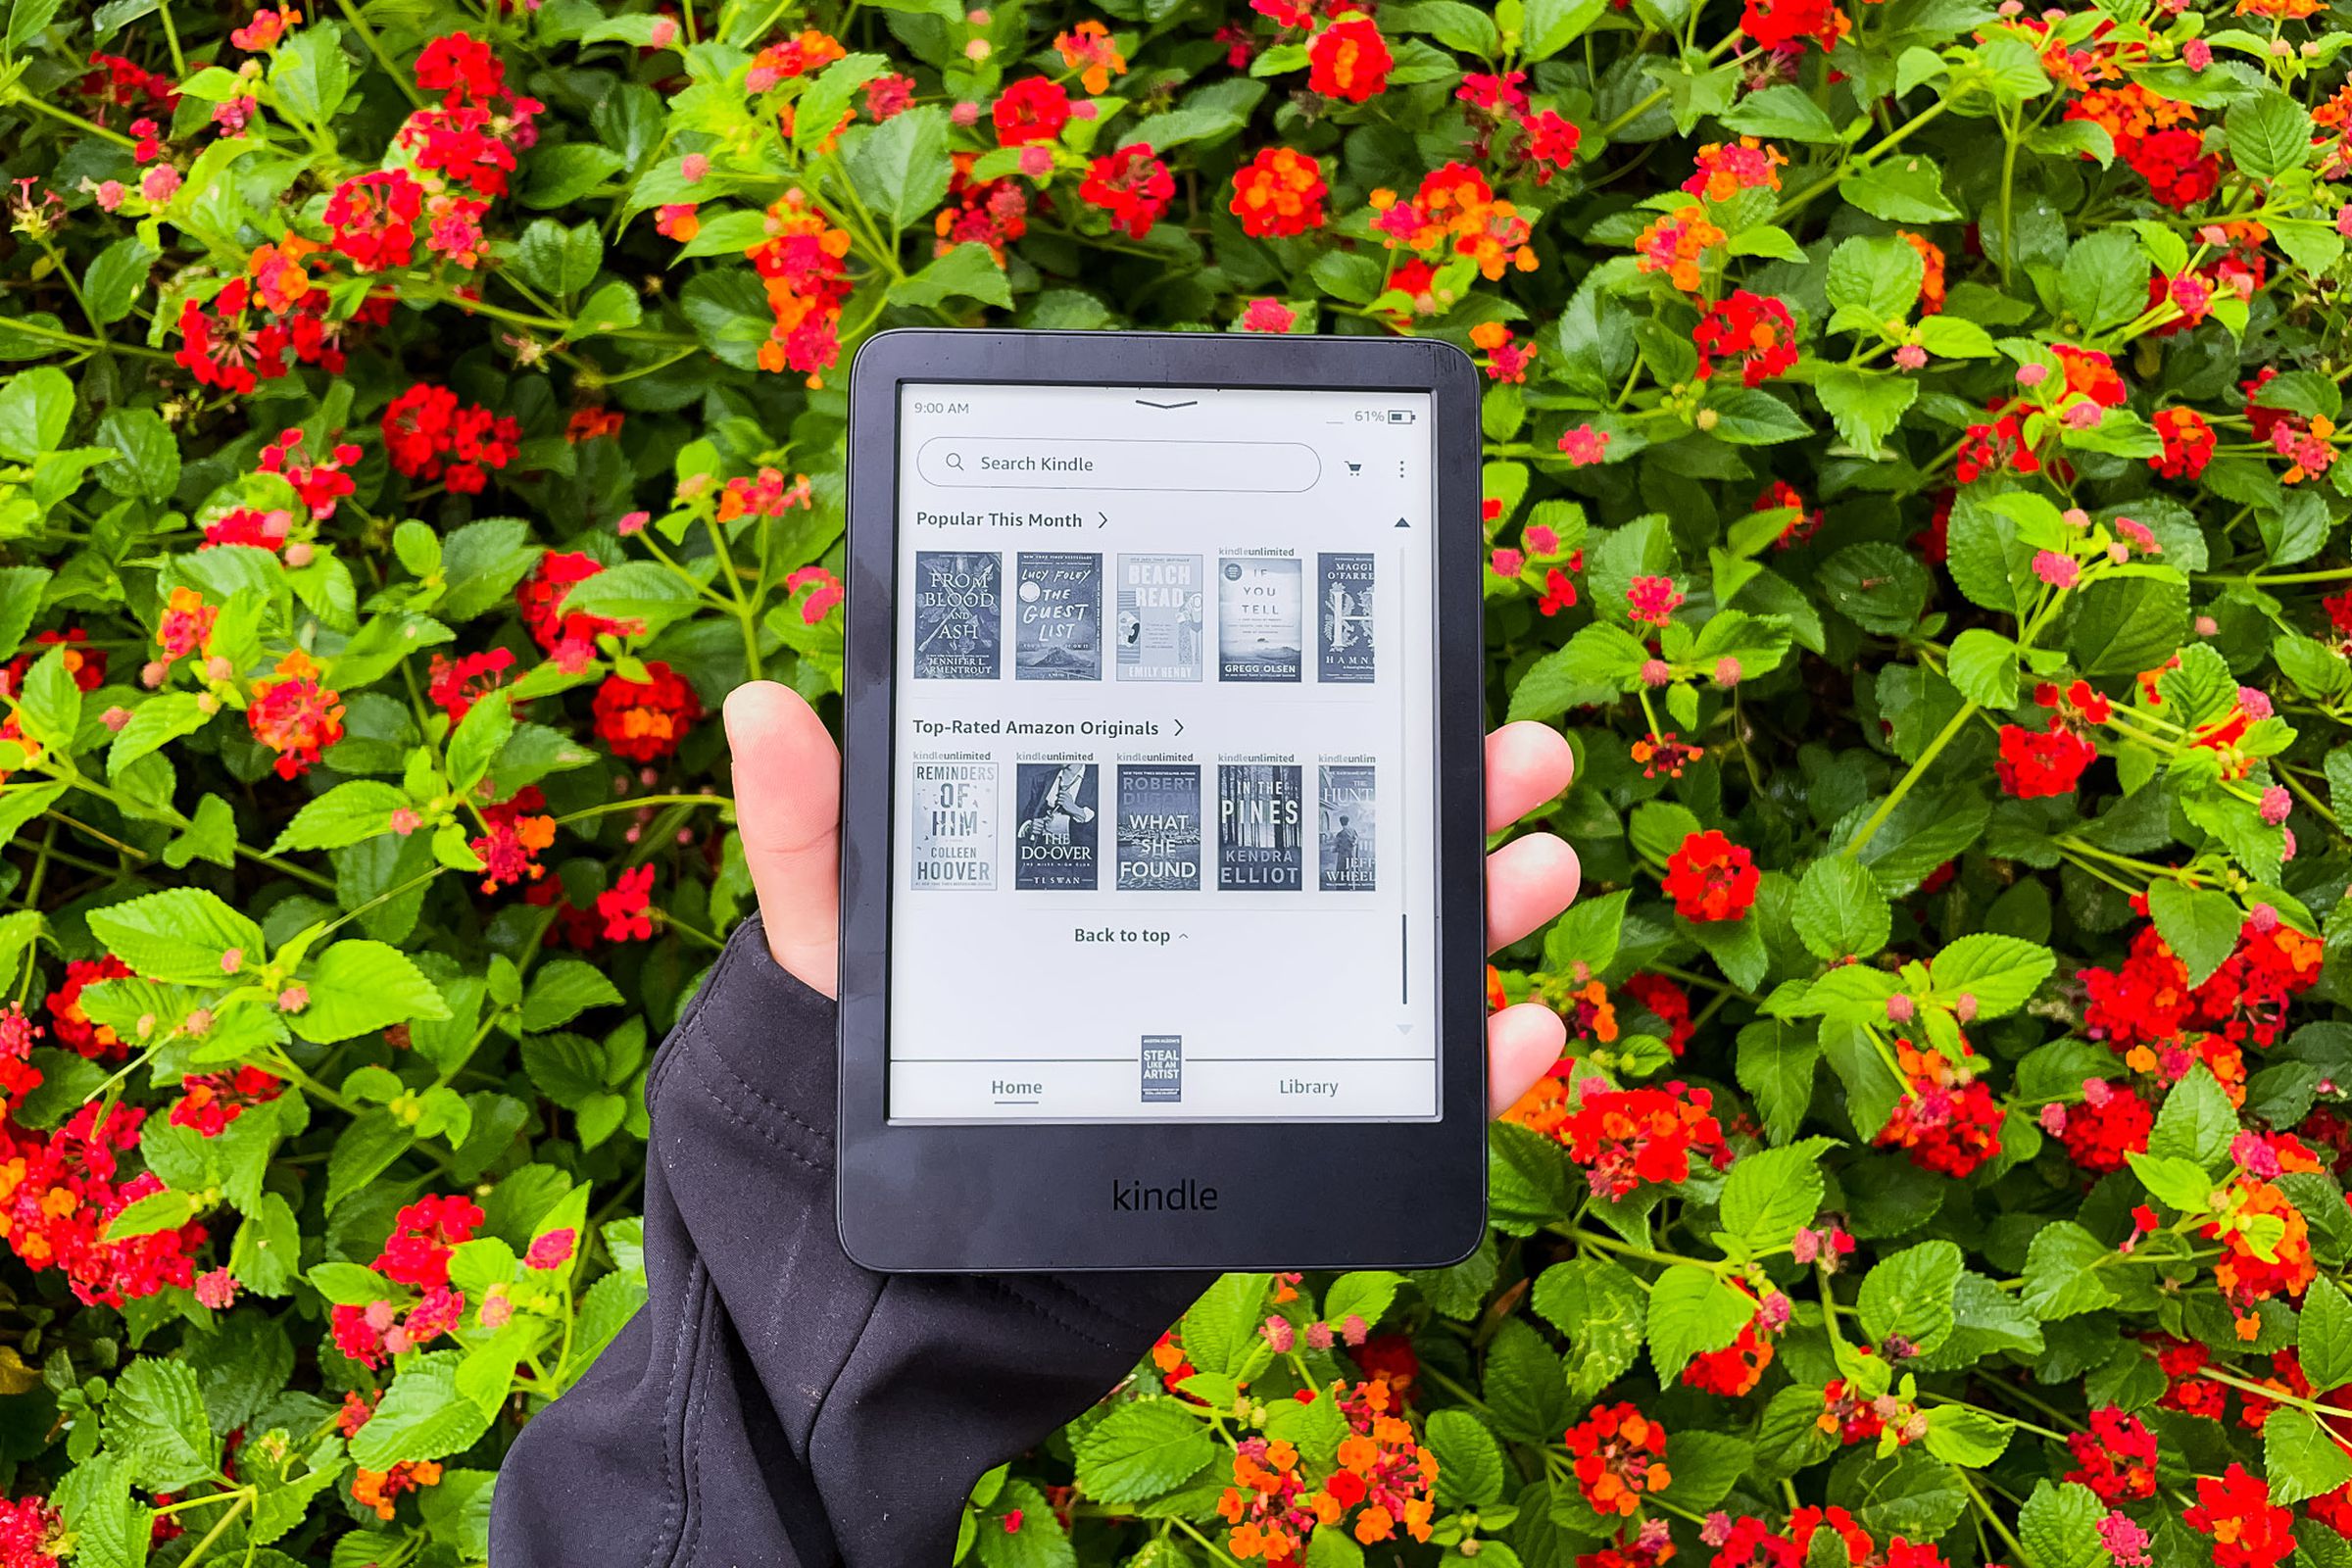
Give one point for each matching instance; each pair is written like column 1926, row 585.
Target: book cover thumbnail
column 954, row 802
column 1260, row 825
column 1160, row 827
column 1054, row 846
column 956, row 614
column 1347, row 835
column 1257, row 617
column 1057, row 617
column 1163, row 618
column 1345, row 603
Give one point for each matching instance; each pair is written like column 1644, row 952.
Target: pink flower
column 2276, row 805
column 2083, row 416
column 2032, row 374
column 1584, row 445
column 1652, row 599
column 2124, row 1540
column 1037, row 162
column 2343, row 214
column 1728, row 673
column 405, row 821
column 497, row 1307
column 2053, row 1119
column 159, row 182
column 694, row 166
column 965, row 114
column 1269, row 315
column 1911, row 357
column 2059, row 572
column 1899, row 1008
column 632, row 522
column 1539, row 539
column 2206, row 626
column 552, row 1250
column 2255, row 700
column 216, row 1288
column 1805, row 1245
column 1277, row 1332
column 293, row 998
column 115, row 718
column 1507, row 562
column 664, row 33
column 1657, row 672
column 110, row 196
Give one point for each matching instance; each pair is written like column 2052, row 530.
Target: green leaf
column 563, row 990
column 1910, row 1294
column 178, row 936
column 2124, row 625
column 2268, row 135
column 2062, row 1278
column 1865, row 405
column 1600, row 1308
column 1551, row 26
column 36, row 408
column 2201, row 925
column 1771, row 1194
column 2104, row 282
column 422, row 1416
column 1221, row 1327
column 1601, row 661
column 1873, row 280
column 2172, row 1180
column 900, row 166
column 2325, row 1335
column 1782, row 113
column 819, row 112
column 1471, row 1470
column 476, row 740
column 310, row 75
column 166, row 1211
column 356, row 987
column 1901, row 190
column 2196, row 1122
column 1691, row 1311
column 2301, row 1458
column 110, row 1530
column 154, row 1422
column 1983, row 668
column 556, row 260
column 1752, row 416
column 1970, row 1439
column 1776, row 1063
column 1839, row 911
column 345, row 814
column 2001, row 973
column 560, row 175
column 968, row 271
column 638, row 593
column 2059, row 1526
column 112, row 285
column 1142, row 1449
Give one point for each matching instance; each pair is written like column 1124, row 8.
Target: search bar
column 1085, row 462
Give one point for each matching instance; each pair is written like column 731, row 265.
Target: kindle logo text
column 1186, row 1195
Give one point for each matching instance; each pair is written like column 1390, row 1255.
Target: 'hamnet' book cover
column 957, row 595
column 1162, row 617
column 1347, row 836
column 1053, row 844
column 1160, row 827
column 1345, row 606
column 954, row 802
column 1257, row 617
column 1259, row 826
column 1057, row 617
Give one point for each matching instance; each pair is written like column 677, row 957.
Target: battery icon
column 1400, row 415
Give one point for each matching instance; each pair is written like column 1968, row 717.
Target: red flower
column 623, row 907
column 1625, row 1138
column 1348, row 60
column 1668, row 1000
column 1559, row 593
column 69, row 1025
column 1280, row 191
column 2187, row 443
column 1033, row 108
column 1776, row 23
column 2117, row 1456
column 1711, row 878
column 2248, row 1530
column 423, row 1235
column 28, row 1529
column 58, row 1194
column 460, row 67
column 517, row 832
column 2243, row 1272
column 1946, row 1119
column 1620, row 1459
column 210, row 1101
column 456, row 685
column 1738, row 1366
column 88, row 665
column 2037, row 764
column 1130, row 186
column 2178, row 172
column 1780, row 495
column 1992, row 447
column 429, row 435
column 1754, row 329
column 801, row 266
column 1552, row 143
column 569, row 637
column 293, row 716
column 2110, row 1125
column 373, row 218
column 645, row 721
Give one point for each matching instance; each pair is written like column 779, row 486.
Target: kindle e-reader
column 1163, row 834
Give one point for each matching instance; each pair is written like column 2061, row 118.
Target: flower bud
column 1657, row 672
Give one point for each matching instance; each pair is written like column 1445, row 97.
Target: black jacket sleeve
column 773, row 1402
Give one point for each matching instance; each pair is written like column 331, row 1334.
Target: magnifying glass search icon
column 955, row 460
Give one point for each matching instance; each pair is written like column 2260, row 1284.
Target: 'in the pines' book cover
column 1259, row 826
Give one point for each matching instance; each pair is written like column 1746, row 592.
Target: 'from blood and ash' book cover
column 1260, row 822
column 1345, row 612
column 1257, row 617
column 1160, row 827
column 1053, row 847
column 1057, row 617
column 1162, row 617
column 1346, row 838
column 954, row 823
column 957, row 596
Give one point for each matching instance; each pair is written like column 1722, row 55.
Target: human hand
column 788, row 804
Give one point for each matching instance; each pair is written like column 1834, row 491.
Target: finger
column 788, row 807
column 1526, row 765
column 1521, row 1042
column 1529, row 880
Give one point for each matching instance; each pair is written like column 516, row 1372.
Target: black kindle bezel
column 929, row 1197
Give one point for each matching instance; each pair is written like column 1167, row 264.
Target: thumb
column 788, row 808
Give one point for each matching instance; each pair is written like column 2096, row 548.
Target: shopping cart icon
column 1356, row 468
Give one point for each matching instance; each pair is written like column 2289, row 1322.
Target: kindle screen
column 1165, row 770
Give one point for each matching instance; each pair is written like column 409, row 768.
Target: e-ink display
column 1165, row 770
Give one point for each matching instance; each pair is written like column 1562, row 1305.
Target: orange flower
column 1677, row 244
column 1279, row 192
column 1088, row 50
